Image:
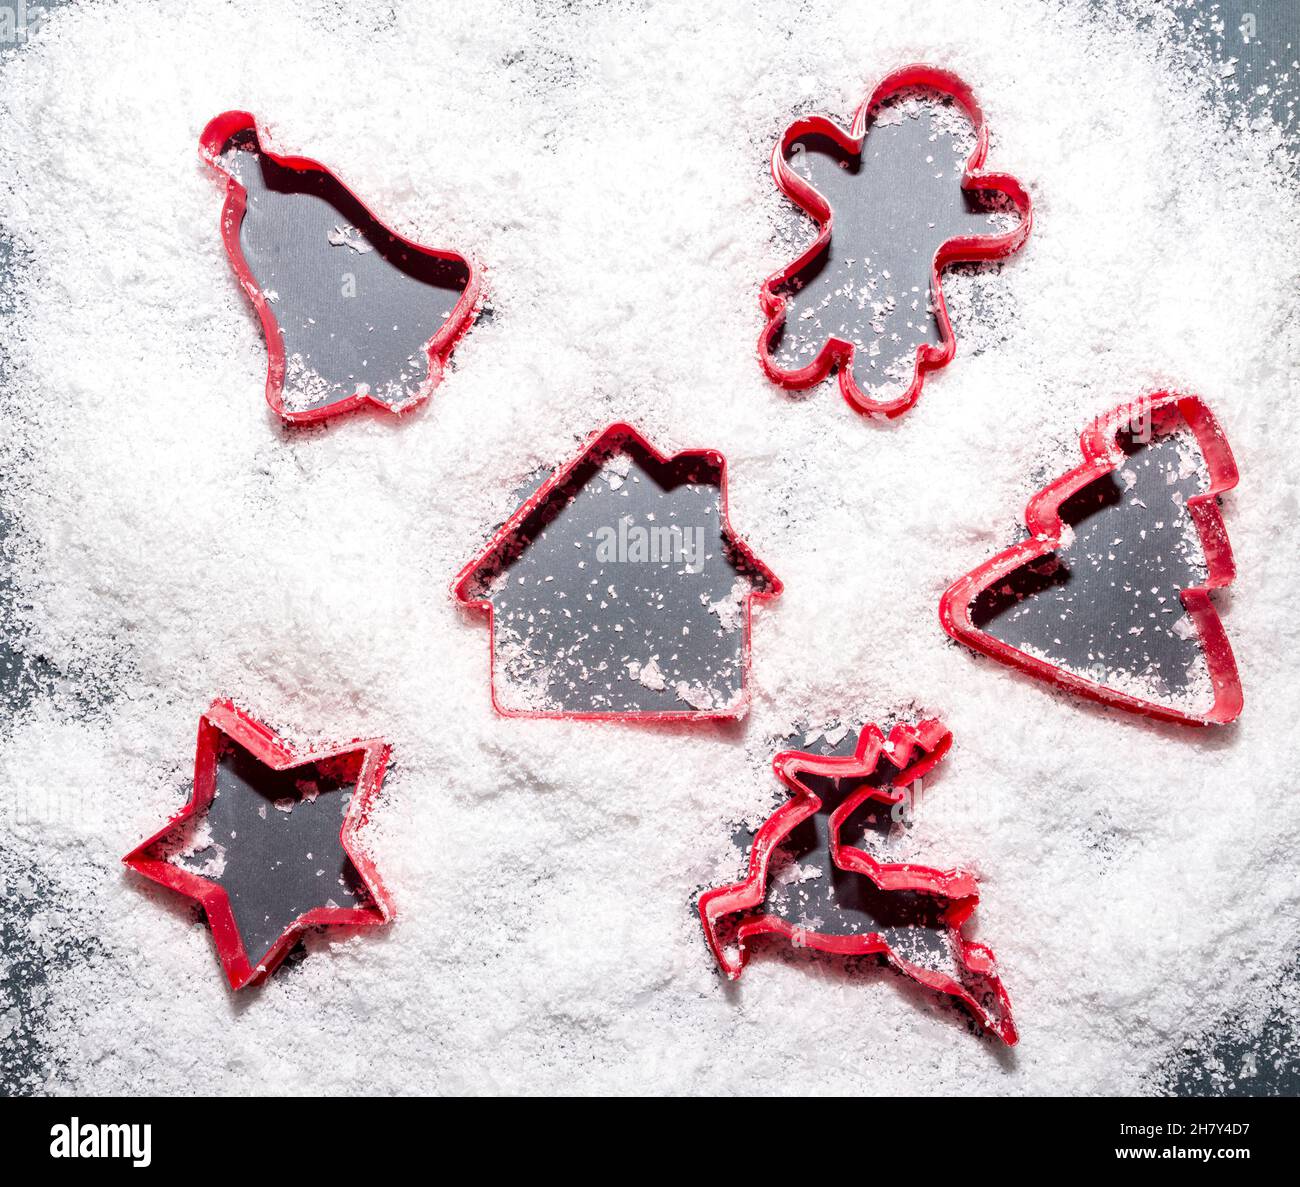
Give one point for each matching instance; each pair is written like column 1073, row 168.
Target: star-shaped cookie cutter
column 913, row 751
column 225, row 721
column 1103, row 455
column 216, row 137
column 837, row 352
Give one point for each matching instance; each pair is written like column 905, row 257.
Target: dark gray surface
column 1244, row 1054
column 893, row 207
column 1255, row 44
column 12, row 667
column 577, row 630
column 1107, row 604
column 354, row 305
column 23, row 672
column 1263, row 1057
column 36, row 941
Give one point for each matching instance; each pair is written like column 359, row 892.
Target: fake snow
column 648, row 674
column 170, row 541
column 186, row 848
column 731, row 609
column 350, row 237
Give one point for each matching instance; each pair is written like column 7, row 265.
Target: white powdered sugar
column 171, row 541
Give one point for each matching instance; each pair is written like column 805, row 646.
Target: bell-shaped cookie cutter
column 235, row 127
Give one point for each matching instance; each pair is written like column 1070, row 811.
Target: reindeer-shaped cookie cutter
column 913, row 751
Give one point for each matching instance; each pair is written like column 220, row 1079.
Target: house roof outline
column 550, row 499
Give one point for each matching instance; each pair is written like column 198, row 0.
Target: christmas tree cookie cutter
column 850, row 291
column 353, row 314
column 618, row 589
column 261, row 845
column 928, row 901
column 990, row 609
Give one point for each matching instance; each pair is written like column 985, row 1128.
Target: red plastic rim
column 913, row 751
column 615, row 437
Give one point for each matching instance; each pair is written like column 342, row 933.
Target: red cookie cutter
column 1102, row 454
column 214, row 139
column 837, row 352
column 224, row 720
column 511, row 539
column 914, row 751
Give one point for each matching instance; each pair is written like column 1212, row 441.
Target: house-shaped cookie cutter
column 474, row 586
